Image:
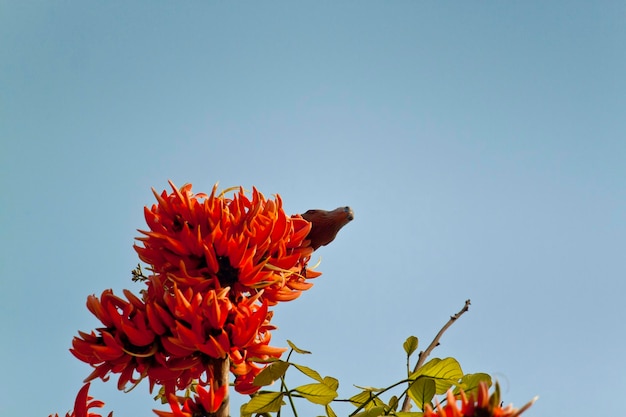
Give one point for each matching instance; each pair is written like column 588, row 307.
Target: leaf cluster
column 322, row 391
column 421, row 386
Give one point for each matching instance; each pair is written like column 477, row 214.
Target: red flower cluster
column 481, row 406
column 217, row 266
column 212, row 242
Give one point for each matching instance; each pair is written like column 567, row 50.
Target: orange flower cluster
column 482, row 406
column 217, row 266
column 212, row 242
column 83, row 403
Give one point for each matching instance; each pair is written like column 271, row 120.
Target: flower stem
column 222, row 370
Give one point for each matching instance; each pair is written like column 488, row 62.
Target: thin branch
column 406, row 405
column 290, row 395
column 424, row 354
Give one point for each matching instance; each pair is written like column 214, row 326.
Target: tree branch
column 406, row 405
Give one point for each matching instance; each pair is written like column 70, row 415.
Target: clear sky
column 482, row 146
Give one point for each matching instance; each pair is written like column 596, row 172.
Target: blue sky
column 482, row 146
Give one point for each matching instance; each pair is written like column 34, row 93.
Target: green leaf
column 267, row 402
column 366, row 398
column 297, row 349
column 494, row 398
column 445, row 372
column 330, row 382
column 393, row 403
column 329, row 411
column 311, row 373
column 469, row 383
column 317, row 393
column 422, row 391
column 271, row 373
column 371, row 389
column 361, row 398
column 372, row 412
column 410, row 345
column 409, row 414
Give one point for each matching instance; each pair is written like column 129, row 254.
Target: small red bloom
column 83, row 403
column 206, row 402
column 481, row 406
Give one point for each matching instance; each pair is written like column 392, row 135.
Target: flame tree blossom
column 212, row 242
column 204, row 403
column 175, row 340
column 217, row 266
column 482, row 405
column 83, row 403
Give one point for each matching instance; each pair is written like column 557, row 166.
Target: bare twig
column 424, row 354
column 406, row 405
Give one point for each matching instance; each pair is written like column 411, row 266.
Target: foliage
column 435, row 377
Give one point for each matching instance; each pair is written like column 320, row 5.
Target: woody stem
column 221, row 373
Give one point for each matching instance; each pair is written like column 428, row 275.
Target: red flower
column 83, row 403
column 206, row 402
column 482, row 406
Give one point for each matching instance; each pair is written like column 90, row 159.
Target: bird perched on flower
column 326, row 224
